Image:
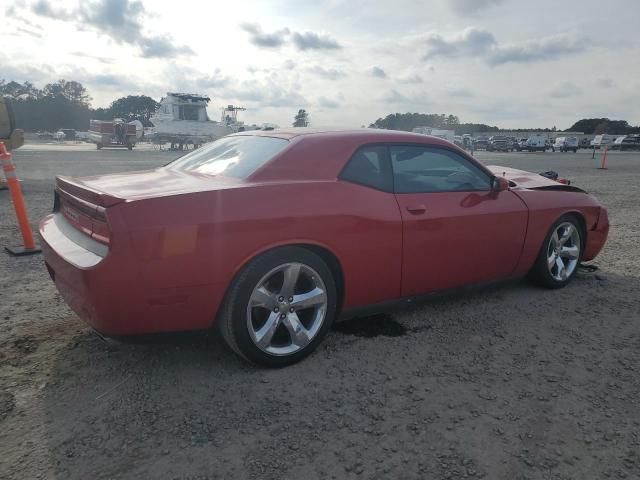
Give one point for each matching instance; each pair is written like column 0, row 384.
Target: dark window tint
column 369, row 166
column 237, row 156
column 428, row 169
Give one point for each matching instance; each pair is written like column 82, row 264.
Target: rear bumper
column 597, row 237
column 110, row 292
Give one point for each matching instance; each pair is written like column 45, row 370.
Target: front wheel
column 560, row 254
column 279, row 307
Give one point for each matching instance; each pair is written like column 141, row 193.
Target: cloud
column 266, row 40
column 314, row 41
column 45, row 9
column 479, row 43
column 548, row 48
column 377, row 72
column 470, row 42
column 267, row 93
column 215, row 81
column 411, row 79
column 93, row 57
column 327, row 73
column 460, row 93
column 28, row 32
column 120, row 20
column 565, row 90
column 302, row 41
column 604, row 83
column 393, row 96
column 162, row 47
column 324, row 102
column 470, row 7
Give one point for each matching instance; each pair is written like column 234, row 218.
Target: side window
column 369, row 166
column 419, row 169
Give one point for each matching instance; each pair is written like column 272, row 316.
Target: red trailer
column 112, row 134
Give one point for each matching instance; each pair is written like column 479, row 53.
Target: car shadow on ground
column 499, row 382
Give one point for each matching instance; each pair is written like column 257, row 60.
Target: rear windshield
column 237, row 156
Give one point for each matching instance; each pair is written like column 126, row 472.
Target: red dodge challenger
column 270, row 235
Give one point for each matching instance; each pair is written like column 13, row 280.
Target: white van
column 566, row 144
column 536, row 142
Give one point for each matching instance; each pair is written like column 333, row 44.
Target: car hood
column 523, row 178
column 143, row 184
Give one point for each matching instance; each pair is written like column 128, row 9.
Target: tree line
column 67, row 104
column 408, row 121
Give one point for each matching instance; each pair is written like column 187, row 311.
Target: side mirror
column 499, row 184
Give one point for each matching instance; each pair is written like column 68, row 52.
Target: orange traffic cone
column 29, row 247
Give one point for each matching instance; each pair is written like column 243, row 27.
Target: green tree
column 301, row 119
column 134, row 107
column 70, row 90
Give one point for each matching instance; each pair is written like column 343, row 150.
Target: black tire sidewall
column 243, row 286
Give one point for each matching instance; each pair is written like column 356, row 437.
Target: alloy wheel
column 563, row 251
column 286, row 309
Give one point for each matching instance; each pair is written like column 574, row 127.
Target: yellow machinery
column 11, row 136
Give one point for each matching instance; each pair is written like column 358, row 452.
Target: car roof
column 364, row 135
column 321, row 153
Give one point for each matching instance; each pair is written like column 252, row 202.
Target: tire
column 543, row 269
column 261, row 282
column 130, row 147
column 98, row 146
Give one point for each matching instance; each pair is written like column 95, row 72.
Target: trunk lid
column 108, row 190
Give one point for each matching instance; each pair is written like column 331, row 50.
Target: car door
column 456, row 230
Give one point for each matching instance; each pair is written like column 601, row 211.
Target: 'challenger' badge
column 71, row 214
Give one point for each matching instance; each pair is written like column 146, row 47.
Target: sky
column 511, row 63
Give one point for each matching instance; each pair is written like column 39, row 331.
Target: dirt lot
column 508, row 382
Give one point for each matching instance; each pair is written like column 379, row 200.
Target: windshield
column 237, row 156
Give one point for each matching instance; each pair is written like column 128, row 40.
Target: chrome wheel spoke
column 310, row 299
column 566, row 235
column 551, row 260
column 291, row 275
column 562, row 271
column 569, row 252
column 554, row 240
column 261, row 297
column 265, row 334
column 299, row 335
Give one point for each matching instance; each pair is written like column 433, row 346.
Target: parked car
column 630, row 142
column 498, row 143
column 585, row 142
column 481, row 143
column 565, row 144
column 270, row 236
column 512, row 143
column 601, row 141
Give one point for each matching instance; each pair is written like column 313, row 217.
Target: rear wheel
column 560, row 254
column 279, row 308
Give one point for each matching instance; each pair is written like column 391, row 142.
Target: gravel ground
column 508, row 382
